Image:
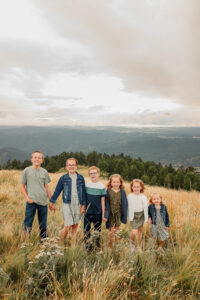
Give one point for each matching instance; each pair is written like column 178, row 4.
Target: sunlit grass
column 108, row 274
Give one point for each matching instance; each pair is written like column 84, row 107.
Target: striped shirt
column 94, row 192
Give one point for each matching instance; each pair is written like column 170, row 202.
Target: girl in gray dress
column 158, row 219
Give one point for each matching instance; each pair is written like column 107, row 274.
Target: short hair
column 109, row 186
column 137, row 181
column 93, row 168
column 37, row 151
column 151, row 199
column 72, row 158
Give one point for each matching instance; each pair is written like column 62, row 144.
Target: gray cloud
column 151, row 45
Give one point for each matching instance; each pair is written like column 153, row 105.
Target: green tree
column 52, row 166
column 146, row 179
column 179, row 179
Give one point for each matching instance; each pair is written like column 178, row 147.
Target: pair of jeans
column 42, row 218
column 88, row 220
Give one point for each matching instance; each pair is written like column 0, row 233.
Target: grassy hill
column 57, row 271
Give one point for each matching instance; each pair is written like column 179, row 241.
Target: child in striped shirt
column 95, row 207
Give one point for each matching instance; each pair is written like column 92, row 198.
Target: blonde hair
column 151, row 199
column 93, row 168
column 37, row 151
column 109, row 185
column 137, row 181
column 72, row 158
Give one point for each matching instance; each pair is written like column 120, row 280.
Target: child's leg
column 113, row 236
column 42, row 218
column 74, row 233
column 161, row 243
column 133, row 235
column 64, row 232
column 139, row 237
column 29, row 216
column 97, row 220
column 87, row 228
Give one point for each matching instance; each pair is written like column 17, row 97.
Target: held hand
column 149, row 221
column 104, row 219
column 167, row 228
column 82, row 210
column 52, row 206
column 30, row 201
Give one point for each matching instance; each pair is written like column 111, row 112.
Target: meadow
column 53, row 270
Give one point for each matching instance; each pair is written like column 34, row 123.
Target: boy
column 73, row 186
column 95, row 206
column 34, row 186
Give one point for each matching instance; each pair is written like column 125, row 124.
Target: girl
column 137, row 211
column 73, row 186
column 158, row 219
column 116, row 207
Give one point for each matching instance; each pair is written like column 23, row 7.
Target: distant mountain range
column 179, row 146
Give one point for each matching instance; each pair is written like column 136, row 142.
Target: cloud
column 151, row 45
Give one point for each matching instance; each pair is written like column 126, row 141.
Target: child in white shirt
column 137, row 211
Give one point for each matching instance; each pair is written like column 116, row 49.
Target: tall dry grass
column 55, row 271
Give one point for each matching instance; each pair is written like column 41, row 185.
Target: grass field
column 29, row 270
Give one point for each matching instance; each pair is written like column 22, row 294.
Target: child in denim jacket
column 158, row 219
column 73, row 186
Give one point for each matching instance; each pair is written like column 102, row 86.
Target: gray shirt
column 35, row 181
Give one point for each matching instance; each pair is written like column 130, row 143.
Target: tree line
column 128, row 167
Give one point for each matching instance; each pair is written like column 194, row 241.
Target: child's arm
column 107, row 208
column 103, row 208
column 57, row 191
column 48, row 191
column 23, row 189
column 83, row 200
column 146, row 209
column 51, row 205
column 167, row 220
column 149, row 221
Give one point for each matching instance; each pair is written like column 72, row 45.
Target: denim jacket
column 65, row 184
column 124, row 208
column 163, row 212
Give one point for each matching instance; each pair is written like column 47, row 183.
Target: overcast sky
column 91, row 62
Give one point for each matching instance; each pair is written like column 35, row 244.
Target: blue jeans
column 42, row 218
column 96, row 220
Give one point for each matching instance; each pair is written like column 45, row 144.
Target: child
column 34, row 186
column 137, row 211
column 95, row 206
column 73, row 186
column 116, row 206
column 158, row 219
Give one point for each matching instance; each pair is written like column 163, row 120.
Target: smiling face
column 94, row 175
column 136, row 188
column 115, row 183
column 156, row 199
column 71, row 166
column 36, row 159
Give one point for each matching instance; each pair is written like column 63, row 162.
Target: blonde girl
column 116, row 206
column 158, row 220
column 137, row 211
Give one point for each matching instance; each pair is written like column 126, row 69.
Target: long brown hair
column 141, row 185
column 109, row 185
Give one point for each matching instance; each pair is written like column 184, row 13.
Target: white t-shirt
column 137, row 203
